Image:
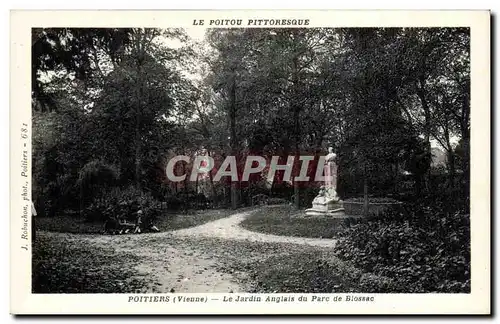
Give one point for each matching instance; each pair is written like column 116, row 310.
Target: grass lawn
column 304, row 272
column 283, row 220
column 65, row 266
column 264, row 267
column 315, row 272
column 167, row 222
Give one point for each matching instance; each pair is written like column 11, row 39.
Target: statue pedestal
column 328, row 208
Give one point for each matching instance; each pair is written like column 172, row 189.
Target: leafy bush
column 282, row 190
column 201, row 202
column 188, row 200
column 174, row 203
column 276, row 201
column 307, row 195
column 96, row 177
column 260, row 199
column 423, row 249
column 370, row 283
column 124, row 204
column 254, row 189
column 57, row 195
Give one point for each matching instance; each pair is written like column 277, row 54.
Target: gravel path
column 228, row 228
column 171, row 264
column 177, row 261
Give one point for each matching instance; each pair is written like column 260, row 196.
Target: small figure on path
column 138, row 222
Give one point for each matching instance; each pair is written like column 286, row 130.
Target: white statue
column 331, row 169
column 330, row 156
column 328, row 193
column 327, row 201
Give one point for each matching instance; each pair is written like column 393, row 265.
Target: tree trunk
column 396, row 178
column 296, row 121
column 427, row 123
column 451, row 162
column 185, row 184
column 82, row 201
column 296, row 189
column 137, row 154
column 449, row 152
column 418, row 185
column 138, row 106
column 365, row 197
column 212, row 186
column 451, row 168
column 196, row 185
column 233, row 141
column 465, row 132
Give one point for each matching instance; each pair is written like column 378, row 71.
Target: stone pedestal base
column 332, row 209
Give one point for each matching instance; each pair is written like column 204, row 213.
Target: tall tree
column 74, row 51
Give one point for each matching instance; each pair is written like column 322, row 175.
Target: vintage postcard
column 250, row 162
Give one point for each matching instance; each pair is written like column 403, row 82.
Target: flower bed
column 376, row 206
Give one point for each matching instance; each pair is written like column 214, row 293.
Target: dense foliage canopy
column 133, row 98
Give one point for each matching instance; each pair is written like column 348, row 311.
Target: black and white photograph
column 261, row 159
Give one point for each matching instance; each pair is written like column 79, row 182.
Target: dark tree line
column 123, row 99
column 380, row 96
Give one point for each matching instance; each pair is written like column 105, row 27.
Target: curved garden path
column 191, row 259
column 229, row 228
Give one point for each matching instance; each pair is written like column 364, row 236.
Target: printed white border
column 477, row 302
